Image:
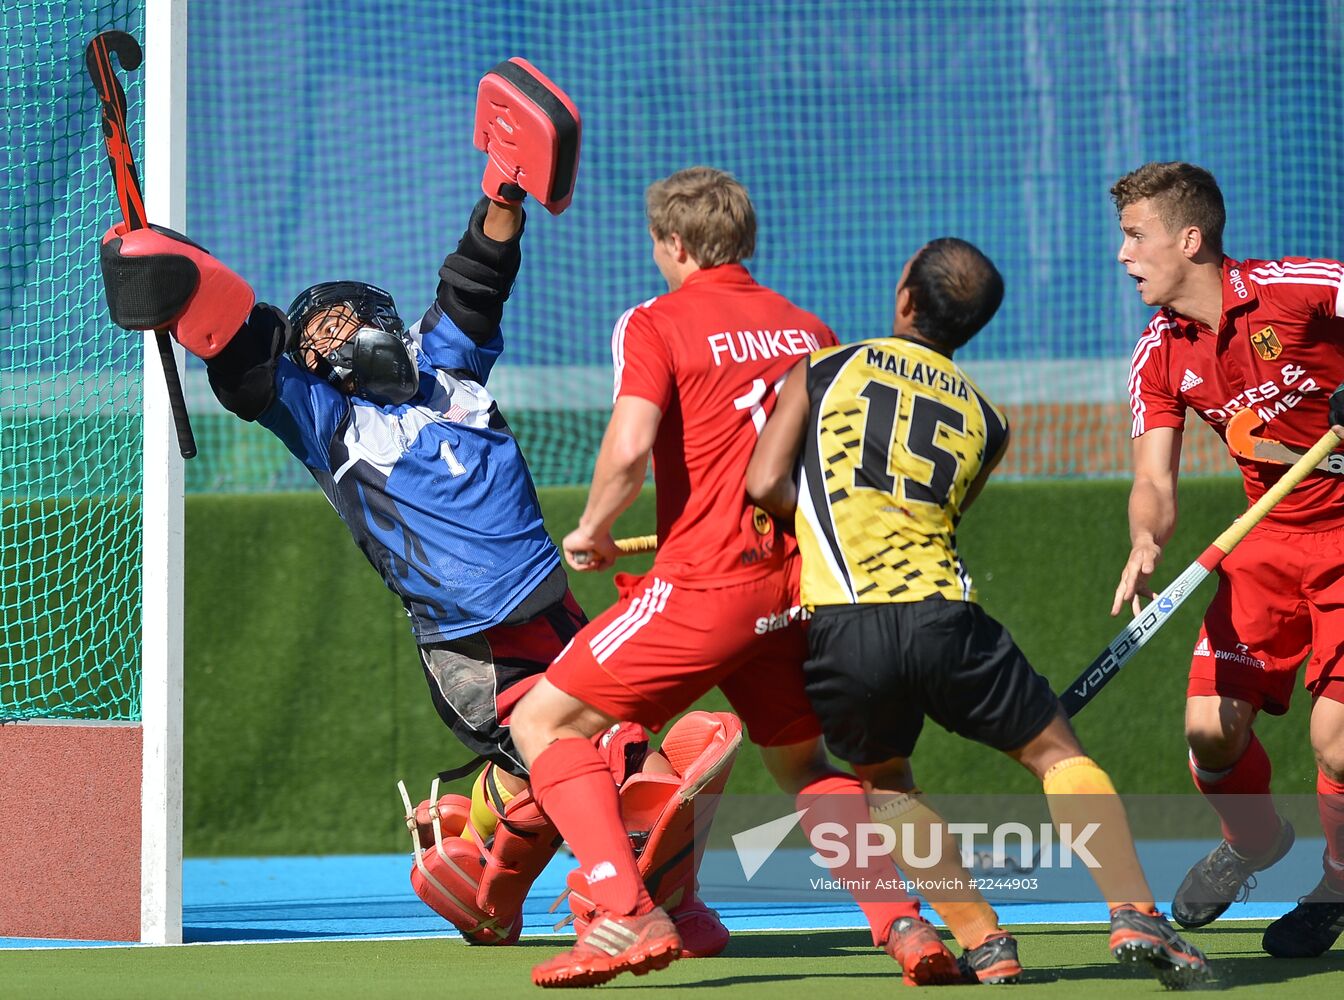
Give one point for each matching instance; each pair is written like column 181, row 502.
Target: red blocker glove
column 530, row 130
column 156, row 278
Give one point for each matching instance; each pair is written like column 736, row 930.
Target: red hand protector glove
column 531, row 131
column 156, row 278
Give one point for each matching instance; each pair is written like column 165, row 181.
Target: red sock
column 1240, row 796
column 573, row 787
column 1330, row 802
column 839, row 798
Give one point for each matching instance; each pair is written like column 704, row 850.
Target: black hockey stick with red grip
column 1159, row 611
column 98, row 58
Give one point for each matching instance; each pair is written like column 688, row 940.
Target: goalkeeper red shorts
column 1280, row 599
column 662, row 646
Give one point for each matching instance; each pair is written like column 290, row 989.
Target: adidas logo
column 1203, row 648
column 611, row 936
column 1190, row 380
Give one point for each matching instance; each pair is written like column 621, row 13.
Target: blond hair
column 709, row 209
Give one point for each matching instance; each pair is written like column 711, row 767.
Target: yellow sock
column 1080, row 793
column 963, row 909
column 484, row 820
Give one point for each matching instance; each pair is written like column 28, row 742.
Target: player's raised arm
column 155, row 278
column 475, row 281
column 529, row 130
column 503, row 221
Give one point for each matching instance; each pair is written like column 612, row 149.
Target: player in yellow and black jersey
column 897, row 436
column 892, row 442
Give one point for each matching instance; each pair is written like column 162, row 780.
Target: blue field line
column 367, row 897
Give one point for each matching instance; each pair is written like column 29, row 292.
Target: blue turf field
column 369, row 896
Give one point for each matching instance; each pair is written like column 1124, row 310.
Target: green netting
column 69, row 386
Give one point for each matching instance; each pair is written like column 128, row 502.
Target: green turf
column 1061, row 961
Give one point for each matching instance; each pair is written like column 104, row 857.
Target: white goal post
column 165, row 191
column 91, row 750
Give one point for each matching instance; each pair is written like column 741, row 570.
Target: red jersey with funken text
column 712, row 356
column 1279, row 349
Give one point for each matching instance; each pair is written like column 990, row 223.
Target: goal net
column 90, row 507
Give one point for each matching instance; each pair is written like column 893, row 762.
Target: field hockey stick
column 1243, row 442
column 98, row 58
column 633, row 546
column 637, row 545
column 1136, row 634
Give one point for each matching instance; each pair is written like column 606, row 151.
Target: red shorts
column 1280, row 598
column 661, row 646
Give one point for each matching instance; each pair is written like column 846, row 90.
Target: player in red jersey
column 1229, row 334
column 697, row 371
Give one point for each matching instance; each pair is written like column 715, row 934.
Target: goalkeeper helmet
column 349, row 334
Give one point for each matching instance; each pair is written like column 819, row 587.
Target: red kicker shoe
column 702, row 932
column 611, row 945
column 921, row 953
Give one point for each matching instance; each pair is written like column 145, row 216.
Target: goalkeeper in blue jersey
column 396, row 425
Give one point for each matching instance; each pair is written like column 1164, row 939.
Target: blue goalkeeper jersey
column 435, row 490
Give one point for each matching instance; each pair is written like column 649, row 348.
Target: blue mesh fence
column 333, row 140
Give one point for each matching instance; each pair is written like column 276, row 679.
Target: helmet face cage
column 367, row 305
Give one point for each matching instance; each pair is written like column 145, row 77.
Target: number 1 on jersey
column 450, row 459
column 754, row 400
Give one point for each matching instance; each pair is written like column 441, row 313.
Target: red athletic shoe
column 924, row 958
column 610, row 945
column 702, row 932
